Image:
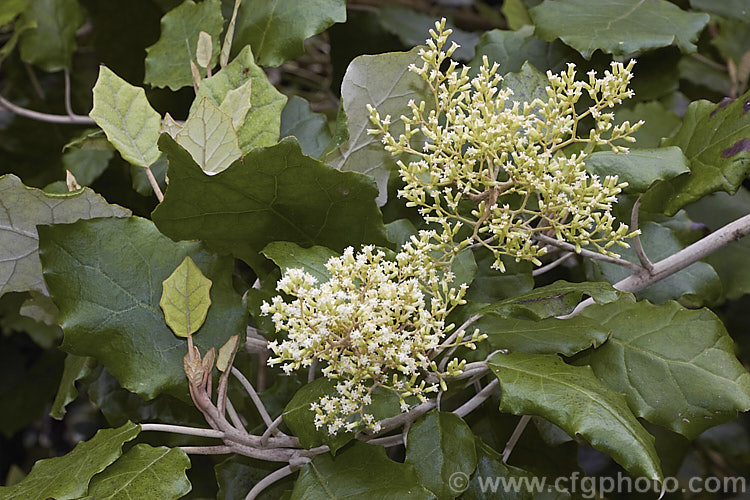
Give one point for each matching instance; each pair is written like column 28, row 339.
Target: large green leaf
column 573, row 398
column 106, row 277
column 22, row 209
column 68, row 476
column 556, row 299
column 185, row 298
column 311, row 129
column 736, row 9
column 617, row 27
column 144, row 472
column 210, row 138
column 276, row 29
column 491, row 285
column 660, row 123
column 272, row 194
column 440, row 445
column 237, row 475
column 546, row 336
column 362, row 471
column 716, row 141
column 76, row 368
column 261, row 127
column 168, row 60
column 385, row 82
column 51, row 44
column 700, row 382
column 10, row 9
column 288, row 255
column 640, row 168
column 125, row 115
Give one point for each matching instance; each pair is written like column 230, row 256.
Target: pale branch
column 515, row 436
column 68, row 103
column 180, row 429
column 387, row 441
column 548, row 267
column 477, row 399
column 452, row 339
column 45, row 117
column 271, row 428
column 587, row 253
column 254, row 396
column 267, row 481
column 235, row 417
column 637, row 246
column 154, row 184
column 207, row 450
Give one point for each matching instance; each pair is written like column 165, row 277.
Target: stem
column 515, row 436
column 588, row 253
column 552, row 265
column 254, row 396
column 235, row 417
column 45, row 117
column 387, row 441
column 478, row 399
column 273, row 428
column 68, row 105
column 637, row 246
column 154, row 184
column 180, row 429
column 269, row 480
column 207, row 450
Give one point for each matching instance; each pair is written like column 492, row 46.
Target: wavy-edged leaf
column 68, row 477
column 575, row 400
column 51, row 44
column 272, row 194
column 106, row 277
column 689, row 352
column 76, row 368
column 716, row 141
column 617, row 27
column 263, row 119
column 209, row 137
column 640, row 168
column 385, row 82
column 276, row 29
column 125, row 115
column 288, row 255
column 362, row 471
column 439, row 446
column 185, row 298
column 144, row 472
column 168, row 60
column 24, row 208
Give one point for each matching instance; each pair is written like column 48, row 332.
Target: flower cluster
column 376, row 323
column 507, row 170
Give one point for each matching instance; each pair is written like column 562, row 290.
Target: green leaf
column 123, row 112
column 20, row 27
column 76, row 368
column 68, row 477
column 106, row 277
column 527, row 84
column 10, row 9
column 237, row 103
column 52, row 43
column 185, row 298
column 383, row 81
column 144, row 472
column 491, row 285
column 516, row 13
column 716, row 141
column 168, row 60
column 733, row 9
column 88, row 156
column 546, row 336
column 616, row 27
column 209, row 137
column 556, row 299
column 310, row 129
column 261, row 126
column 439, row 446
column 572, row 398
column 660, row 122
column 272, row 194
column 730, row 262
column 640, row 168
column 288, row 255
column 362, row 471
column 701, row 383
column 23, row 208
column 237, row 475
column 275, row 30
column 490, row 467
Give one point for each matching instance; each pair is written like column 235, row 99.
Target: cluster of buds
column 376, row 323
column 505, row 170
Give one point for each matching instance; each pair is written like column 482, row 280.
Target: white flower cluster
column 376, row 323
column 506, row 170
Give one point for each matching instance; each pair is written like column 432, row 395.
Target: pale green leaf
column 385, row 82
column 575, row 400
column 209, row 137
column 261, row 125
column 226, row 353
column 689, row 352
column 275, row 29
column 68, row 477
column 185, row 298
column 10, row 9
column 204, row 50
column 76, row 368
column 125, row 115
column 170, row 126
column 52, row 43
column 516, row 13
column 24, row 208
column 617, row 26
column 640, row 168
column 144, row 472
column 237, row 103
column 168, row 60
column 288, row 255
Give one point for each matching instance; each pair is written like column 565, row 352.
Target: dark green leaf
column 640, row 168
column 735, row 9
column 168, row 60
column 573, row 398
column 311, row 129
column 51, row 44
column 76, row 368
column 528, row 84
column 288, row 256
column 272, row 194
column 701, row 73
column 491, row 285
column 362, row 471
column 237, row 475
column 701, row 383
column 87, row 165
column 144, row 472
column 439, row 446
column 275, row 30
column 68, row 477
column 24, row 208
column 617, row 27
column 660, row 122
column 106, row 277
